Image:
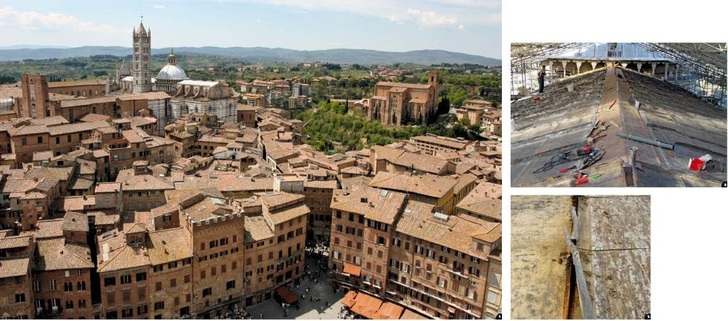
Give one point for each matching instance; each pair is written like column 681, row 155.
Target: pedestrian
column 541, row 78
column 261, row 316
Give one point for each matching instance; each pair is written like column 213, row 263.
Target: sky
column 467, row 26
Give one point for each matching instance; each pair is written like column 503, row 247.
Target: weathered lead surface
column 538, row 256
column 615, row 248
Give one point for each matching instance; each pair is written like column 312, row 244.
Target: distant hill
column 260, row 54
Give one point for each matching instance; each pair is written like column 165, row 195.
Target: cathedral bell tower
column 141, row 71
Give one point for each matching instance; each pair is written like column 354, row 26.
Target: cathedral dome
column 171, row 71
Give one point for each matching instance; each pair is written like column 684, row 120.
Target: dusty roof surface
column 484, row 200
column 615, row 247
column 456, row 232
column 169, row 245
column 56, row 254
column 283, row 207
column 14, row 267
column 146, row 182
column 423, row 184
column 115, row 254
column 374, row 203
column 538, row 256
column 46, row 229
column 75, row 221
column 256, row 229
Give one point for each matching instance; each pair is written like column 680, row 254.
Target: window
column 142, row 309
column 141, row 276
column 68, row 287
column 470, row 293
column 172, row 265
column 81, row 304
column 381, row 241
column 23, row 141
column 396, row 242
column 230, row 285
column 53, row 284
column 202, row 274
column 124, row 279
column 187, row 278
column 158, row 286
column 158, row 305
column 158, row 268
column 172, row 283
column 36, row 286
column 81, row 286
column 441, row 282
column 206, row 292
column 493, row 297
column 380, row 254
column 213, row 244
column 126, row 313
column 19, row 297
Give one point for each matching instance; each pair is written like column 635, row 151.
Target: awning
column 411, row 315
column 349, row 299
column 286, row 294
column 389, row 311
column 451, row 309
column 352, row 269
column 366, row 306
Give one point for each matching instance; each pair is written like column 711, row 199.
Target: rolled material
column 646, row 141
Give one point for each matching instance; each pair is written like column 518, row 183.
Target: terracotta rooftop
column 455, row 232
column 257, row 229
column 77, row 203
column 376, row 204
column 208, row 208
column 76, row 128
column 74, row 83
column 87, row 101
column 448, row 142
column 14, row 242
column 403, row 85
column 423, row 184
column 95, row 117
column 55, row 254
column 74, row 221
column 328, row 184
column 115, row 254
column 107, row 187
column 145, row 182
column 45, row 229
column 283, row 207
column 169, row 245
column 14, row 267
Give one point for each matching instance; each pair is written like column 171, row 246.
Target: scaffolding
column 702, row 65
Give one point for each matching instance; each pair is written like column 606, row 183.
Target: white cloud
column 425, row 13
column 159, row 6
column 430, row 18
column 258, row 21
column 34, row 21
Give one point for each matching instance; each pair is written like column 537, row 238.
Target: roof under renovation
column 698, row 67
column 642, row 132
